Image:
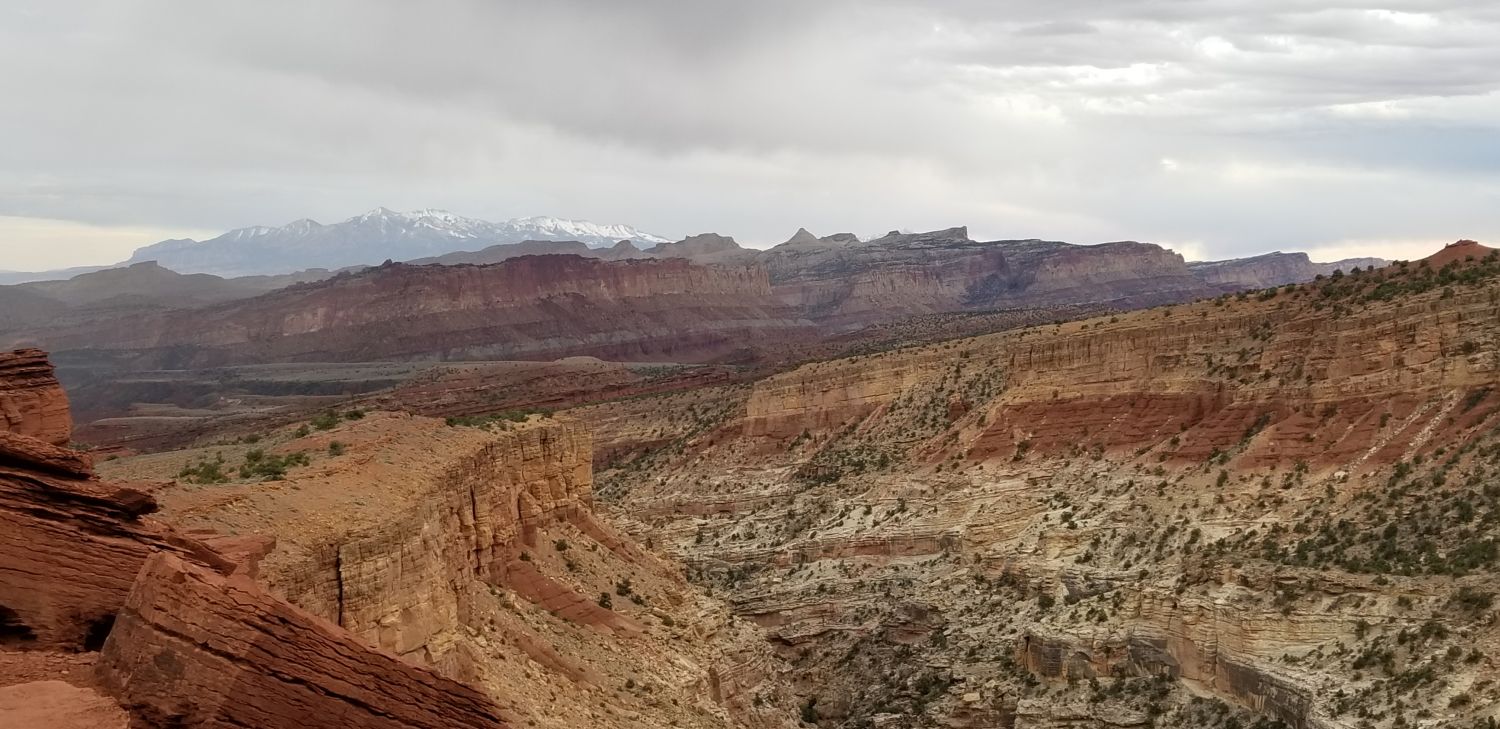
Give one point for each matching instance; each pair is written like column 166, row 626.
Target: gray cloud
column 1227, row 126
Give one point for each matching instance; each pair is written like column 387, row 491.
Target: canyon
column 413, row 574
column 1218, row 508
column 1276, row 502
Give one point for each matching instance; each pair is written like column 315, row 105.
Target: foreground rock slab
column 194, row 648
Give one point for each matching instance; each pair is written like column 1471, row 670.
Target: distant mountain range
column 371, row 238
column 703, row 298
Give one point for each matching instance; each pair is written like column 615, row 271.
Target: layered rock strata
column 32, row 403
column 1277, row 503
column 188, row 638
column 194, row 648
column 532, row 307
column 475, row 551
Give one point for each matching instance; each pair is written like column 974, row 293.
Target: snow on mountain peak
column 583, row 229
column 381, row 233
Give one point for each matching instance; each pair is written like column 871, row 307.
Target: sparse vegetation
column 496, row 421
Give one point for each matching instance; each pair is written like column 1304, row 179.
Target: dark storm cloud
column 1225, row 127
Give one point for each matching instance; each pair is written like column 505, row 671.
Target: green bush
column 270, row 467
column 205, row 471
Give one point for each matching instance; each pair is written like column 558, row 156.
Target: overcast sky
column 1217, row 127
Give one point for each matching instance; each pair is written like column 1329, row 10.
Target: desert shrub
column 205, row 471
column 269, row 466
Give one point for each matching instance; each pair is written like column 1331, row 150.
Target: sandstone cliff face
column 70, row 545
column 32, row 403
column 1273, row 269
column 476, row 552
column 698, row 300
column 1358, row 387
column 390, row 577
column 1129, row 273
column 195, row 648
column 855, row 284
column 188, row 639
column 533, row 307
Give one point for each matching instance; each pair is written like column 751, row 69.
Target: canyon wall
column 533, row 307
column 187, row 637
column 475, row 551
column 1277, row 503
column 1273, row 269
column 1366, row 386
column 849, row 285
column 390, row 576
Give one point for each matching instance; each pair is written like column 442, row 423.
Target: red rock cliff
column 1277, row 379
column 31, row 401
column 188, row 639
column 533, row 307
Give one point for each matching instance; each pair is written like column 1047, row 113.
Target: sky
column 1219, row 128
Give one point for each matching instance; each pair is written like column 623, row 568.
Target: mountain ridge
column 369, row 238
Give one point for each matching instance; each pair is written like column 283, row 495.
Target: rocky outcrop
column 1273, row 378
column 1222, row 644
column 189, row 640
column 32, row 403
column 828, row 395
column 70, row 546
column 703, row 248
column 69, row 543
column 390, row 574
column 475, row 551
column 1126, row 273
column 1273, row 269
column 847, row 284
column 1459, row 252
column 194, row 648
column 801, row 239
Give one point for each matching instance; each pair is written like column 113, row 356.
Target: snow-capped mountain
column 371, row 238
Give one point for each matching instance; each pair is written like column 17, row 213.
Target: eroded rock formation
column 474, row 550
column 71, row 544
column 1276, row 503
column 532, row 307
column 701, row 299
column 195, row 648
column 1274, row 269
column 32, row 402
column 189, row 639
